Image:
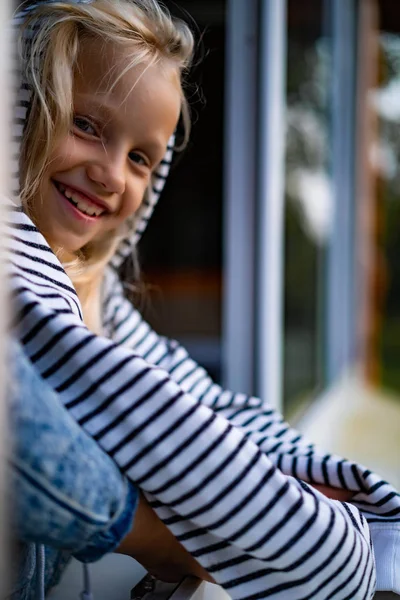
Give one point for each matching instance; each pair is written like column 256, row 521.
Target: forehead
column 105, row 69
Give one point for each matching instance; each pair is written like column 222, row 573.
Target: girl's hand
column 152, row 544
column 333, row 493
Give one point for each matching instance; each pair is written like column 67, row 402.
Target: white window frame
column 239, row 196
column 341, row 291
column 254, row 197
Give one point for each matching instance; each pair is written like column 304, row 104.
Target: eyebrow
column 98, row 103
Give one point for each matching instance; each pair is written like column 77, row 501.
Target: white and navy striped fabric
column 222, row 470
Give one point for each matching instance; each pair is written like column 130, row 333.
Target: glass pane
column 387, row 162
column 181, row 253
column 308, row 199
column 357, row 419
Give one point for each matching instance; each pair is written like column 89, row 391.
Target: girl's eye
column 138, row 159
column 84, row 125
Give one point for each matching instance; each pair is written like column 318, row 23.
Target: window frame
column 253, row 328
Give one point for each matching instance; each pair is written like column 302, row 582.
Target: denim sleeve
column 65, row 491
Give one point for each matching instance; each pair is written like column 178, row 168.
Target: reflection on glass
column 308, row 201
column 386, row 160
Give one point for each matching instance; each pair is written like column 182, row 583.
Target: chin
column 62, row 242
column 64, row 249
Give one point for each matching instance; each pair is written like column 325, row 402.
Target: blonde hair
column 49, row 46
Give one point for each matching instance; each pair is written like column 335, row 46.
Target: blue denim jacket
column 66, row 492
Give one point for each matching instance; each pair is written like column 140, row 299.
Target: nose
column 108, row 171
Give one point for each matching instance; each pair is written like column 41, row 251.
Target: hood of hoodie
column 21, row 111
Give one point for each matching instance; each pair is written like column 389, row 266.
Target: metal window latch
column 150, row 588
column 189, row 588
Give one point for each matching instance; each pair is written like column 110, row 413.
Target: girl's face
column 99, row 171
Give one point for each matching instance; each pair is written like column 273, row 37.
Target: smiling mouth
column 86, row 207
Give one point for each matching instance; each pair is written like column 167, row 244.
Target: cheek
column 133, row 199
column 64, row 154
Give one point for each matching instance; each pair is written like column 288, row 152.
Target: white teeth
column 86, row 208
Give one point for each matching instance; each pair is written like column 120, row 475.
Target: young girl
column 99, row 102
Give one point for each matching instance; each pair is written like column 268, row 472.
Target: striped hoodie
column 222, row 470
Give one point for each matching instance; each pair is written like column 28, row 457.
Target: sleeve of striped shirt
column 263, row 425
column 286, row 447
column 261, row 532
